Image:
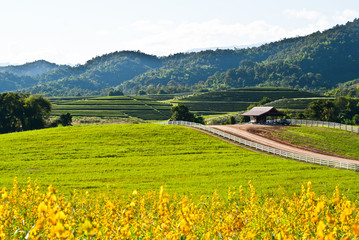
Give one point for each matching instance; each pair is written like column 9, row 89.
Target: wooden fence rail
column 264, row 148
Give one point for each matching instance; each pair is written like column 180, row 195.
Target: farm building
column 260, row 114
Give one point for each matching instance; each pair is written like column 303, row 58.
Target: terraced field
column 153, row 107
column 293, row 104
column 119, row 106
column 234, row 100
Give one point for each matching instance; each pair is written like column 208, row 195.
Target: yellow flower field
column 28, row 213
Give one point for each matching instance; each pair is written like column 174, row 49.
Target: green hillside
column 293, row 104
column 119, row 107
column 101, row 158
column 235, row 100
column 320, row 60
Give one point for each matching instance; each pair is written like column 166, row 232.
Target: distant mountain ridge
column 318, row 61
column 14, row 77
column 32, row 69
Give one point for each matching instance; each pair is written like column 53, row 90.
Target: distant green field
column 146, row 156
column 120, row 107
column 236, row 99
column 327, row 139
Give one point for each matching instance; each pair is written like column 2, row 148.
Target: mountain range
column 319, row 61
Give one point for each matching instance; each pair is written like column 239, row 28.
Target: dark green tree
column 11, row 112
column 115, row 93
column 322, row 110
column 66, row 119
column 182, row 113
column 23, row 112
column 37, row 111
column 231, row 120
column 161, row 91
column 141, row 92
column 355, row 120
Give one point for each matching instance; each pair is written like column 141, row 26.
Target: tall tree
column 37, row 110
column 22, row 111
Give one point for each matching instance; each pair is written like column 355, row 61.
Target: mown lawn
column 327, row 139
column 145, row 156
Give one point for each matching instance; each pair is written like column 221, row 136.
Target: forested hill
column 32, row 68
column 23, row 76
column 315, row 61
column 318, row 61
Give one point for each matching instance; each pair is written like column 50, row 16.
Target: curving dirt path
column 243, row 132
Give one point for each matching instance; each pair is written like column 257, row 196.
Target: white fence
column 312, row 123
column 324, row 162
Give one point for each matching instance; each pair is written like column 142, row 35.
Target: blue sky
column 74, row 31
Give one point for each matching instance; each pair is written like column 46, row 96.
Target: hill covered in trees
column 319, row 61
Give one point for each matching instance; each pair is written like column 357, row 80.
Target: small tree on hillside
column 182, row 113
column 141, row 92
column 115, row 93
column 66, row 119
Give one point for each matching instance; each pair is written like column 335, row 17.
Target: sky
column 74, row 31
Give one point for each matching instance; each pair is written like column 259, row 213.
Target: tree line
column 341, row 110
column 21, row 112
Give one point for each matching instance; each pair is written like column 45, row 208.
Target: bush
column 182, row 113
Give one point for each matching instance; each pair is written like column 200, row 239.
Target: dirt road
column 252, row 133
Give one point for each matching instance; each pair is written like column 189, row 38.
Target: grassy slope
column 146, row 156
column 328, row 139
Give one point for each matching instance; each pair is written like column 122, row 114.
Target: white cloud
column 102, row 33
column 162, row 39
column 166, row 39
column 345, row 16
column 303, row 14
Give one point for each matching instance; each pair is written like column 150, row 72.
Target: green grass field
column 328, row 139
column 146, row 156
column 115, row 107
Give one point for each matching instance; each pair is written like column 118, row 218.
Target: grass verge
column 330, row 140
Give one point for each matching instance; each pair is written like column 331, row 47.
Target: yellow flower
column 42, row 208
column 320, row 230
column 59, row 231
column 87, row 228
column 355, row 229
